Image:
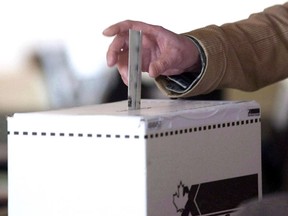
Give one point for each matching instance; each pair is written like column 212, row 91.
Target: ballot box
column 168, row 158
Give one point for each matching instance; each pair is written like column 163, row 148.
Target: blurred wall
column 31, row 26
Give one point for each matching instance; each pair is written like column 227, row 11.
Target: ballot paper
column 169, row 158
column 134, row 69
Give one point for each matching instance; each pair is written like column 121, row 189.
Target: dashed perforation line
column 147, row 136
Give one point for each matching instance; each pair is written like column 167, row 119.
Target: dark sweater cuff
column 187, row 80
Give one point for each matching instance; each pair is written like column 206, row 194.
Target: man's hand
column 163, row 52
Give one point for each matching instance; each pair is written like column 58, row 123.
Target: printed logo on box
column 221, row 197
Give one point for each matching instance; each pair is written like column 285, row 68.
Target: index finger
column 124, row 26
column 117, row 28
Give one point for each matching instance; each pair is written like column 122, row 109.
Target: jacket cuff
column 177, row 85
column 184, row 82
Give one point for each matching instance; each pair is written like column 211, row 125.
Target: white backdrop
column 79, row 24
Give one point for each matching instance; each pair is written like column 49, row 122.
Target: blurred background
column 52, row 55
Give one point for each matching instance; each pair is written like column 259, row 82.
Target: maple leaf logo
column 180, row 197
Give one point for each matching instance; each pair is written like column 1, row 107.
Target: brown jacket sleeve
column 247, row 55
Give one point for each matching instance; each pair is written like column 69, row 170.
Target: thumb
column 158, row 67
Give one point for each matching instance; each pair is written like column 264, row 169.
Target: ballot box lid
column 152, row 113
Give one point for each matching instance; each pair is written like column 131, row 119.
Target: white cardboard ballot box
column 169, row 158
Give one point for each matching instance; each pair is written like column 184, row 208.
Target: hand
column 163, row 52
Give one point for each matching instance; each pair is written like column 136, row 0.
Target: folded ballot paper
column 168, row 158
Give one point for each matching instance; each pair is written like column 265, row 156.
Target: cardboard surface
column 171, row 157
